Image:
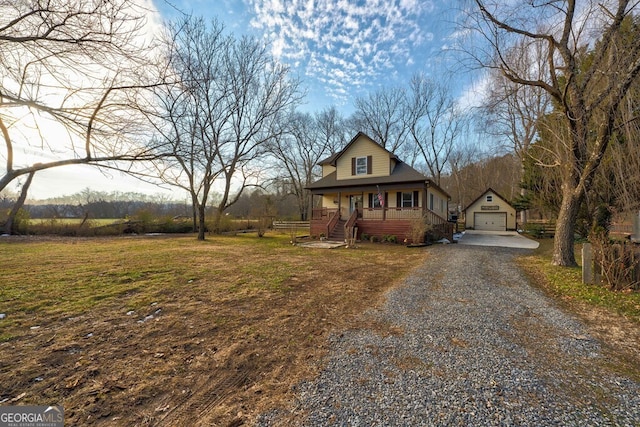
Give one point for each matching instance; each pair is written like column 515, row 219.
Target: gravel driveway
column 466, row 341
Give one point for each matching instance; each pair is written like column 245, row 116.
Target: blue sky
column 341, row 49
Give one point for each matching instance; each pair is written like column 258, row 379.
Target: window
column 489, row 198
column 407, row 200
column 374, row 201
column 361, row 165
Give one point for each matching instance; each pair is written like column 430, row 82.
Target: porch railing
column 402, row 213
column 380, row 214
column 322, row 213
column 333, row 220
column 351, row 222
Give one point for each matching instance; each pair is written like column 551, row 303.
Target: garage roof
column 483, row 194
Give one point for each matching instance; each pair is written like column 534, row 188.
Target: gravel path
column 466, row 341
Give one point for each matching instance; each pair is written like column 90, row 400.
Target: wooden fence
column 540, row 228
column 290, row 225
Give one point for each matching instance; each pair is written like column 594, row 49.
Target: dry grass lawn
column 170, row 331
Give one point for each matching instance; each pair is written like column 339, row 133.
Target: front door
column 355, row 202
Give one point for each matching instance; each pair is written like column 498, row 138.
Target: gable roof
column 483, row 194
column 333, row 159
column 402, row 173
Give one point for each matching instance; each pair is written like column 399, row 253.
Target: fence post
column 587, row 264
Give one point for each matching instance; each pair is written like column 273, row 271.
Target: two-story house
column 368, row 187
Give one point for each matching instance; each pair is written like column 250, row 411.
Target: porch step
column 338, row 231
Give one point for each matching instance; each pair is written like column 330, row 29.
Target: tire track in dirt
column 197, row 406
column 205, row 401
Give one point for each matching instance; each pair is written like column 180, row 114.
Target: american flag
column 380, row 198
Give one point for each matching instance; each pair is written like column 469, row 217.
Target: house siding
column 327, row 169
column 379, row 160
column 328, row 201
column 384, row 173
column 439, row 200
column 440, row 203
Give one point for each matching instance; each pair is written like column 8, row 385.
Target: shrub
column 535, row 230
column 142, row 221
column 390, row 238
column 21, row 222
column 419, row 228
column 618, row 264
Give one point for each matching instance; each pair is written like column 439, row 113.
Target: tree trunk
column 563, row 253
column 8, row 229
column 201, row 222
column 194, row 211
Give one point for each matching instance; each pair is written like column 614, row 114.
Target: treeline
column 117, row 205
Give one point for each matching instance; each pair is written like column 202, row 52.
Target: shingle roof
column 482, row 195
column 401, row 173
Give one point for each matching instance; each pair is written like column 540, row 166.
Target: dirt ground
column 194, row 359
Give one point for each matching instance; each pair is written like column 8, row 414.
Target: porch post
column 425, row 196
column 385, row 207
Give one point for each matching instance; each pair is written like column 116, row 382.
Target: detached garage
column 490, row 212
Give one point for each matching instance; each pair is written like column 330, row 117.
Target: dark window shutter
column 415, row 199
column 386, row 199
column 370, row 200
column 369, row 165
column 353, row 166
column 399, row 199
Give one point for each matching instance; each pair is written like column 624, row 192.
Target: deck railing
column 403, row 214
column 384, row 213
column 351, row 222
column 322, row 213
column 333, row 220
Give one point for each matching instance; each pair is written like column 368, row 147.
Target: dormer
column 361, row 158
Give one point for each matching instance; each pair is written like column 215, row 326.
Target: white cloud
column 364, row 40
column 475, row 93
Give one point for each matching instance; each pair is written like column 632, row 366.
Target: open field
column 75, row 221
column 171, row 331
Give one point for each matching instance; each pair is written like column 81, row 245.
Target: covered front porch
column 375, row 213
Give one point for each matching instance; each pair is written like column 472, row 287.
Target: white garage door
column 494, row 221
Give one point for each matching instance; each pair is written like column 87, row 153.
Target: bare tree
column 381, row 116
column 260, row 91
column 332, row 130
column 459, row 182
column 434, row 123
column 511, row 111
column 219, row 116
column 70, row 78
column 625, row 150
column 304, row 142
column 588, row 95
